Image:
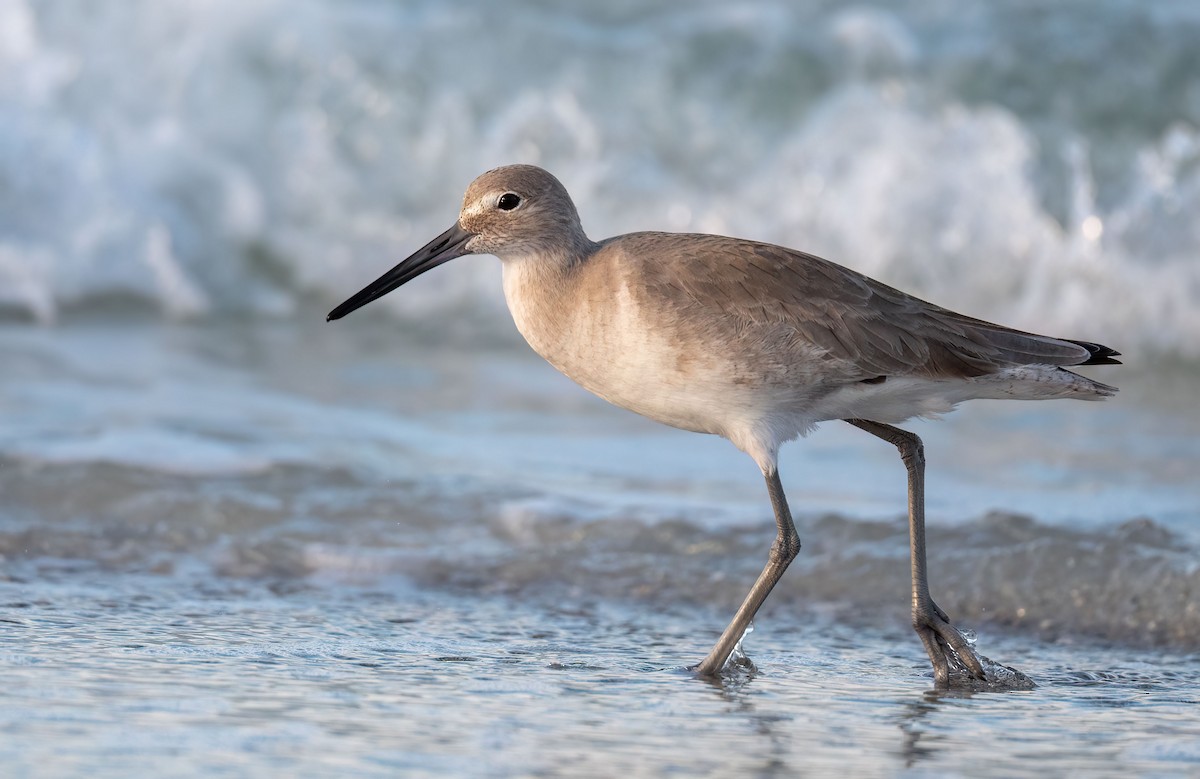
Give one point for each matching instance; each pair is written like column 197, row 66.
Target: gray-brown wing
column 852, row 317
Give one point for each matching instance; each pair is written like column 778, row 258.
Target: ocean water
column 236, row 540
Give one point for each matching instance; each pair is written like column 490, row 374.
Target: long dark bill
column 444, row 248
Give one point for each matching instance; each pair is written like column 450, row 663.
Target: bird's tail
column 1041, row 382
column 1083, row 388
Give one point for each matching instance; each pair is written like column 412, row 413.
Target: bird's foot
column 945, row 645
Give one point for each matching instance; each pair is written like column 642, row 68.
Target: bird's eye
column 508, row 201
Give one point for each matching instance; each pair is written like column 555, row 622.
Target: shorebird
column 753, row 342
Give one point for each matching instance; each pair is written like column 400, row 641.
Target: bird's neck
column 543, row 270
column 540, row 292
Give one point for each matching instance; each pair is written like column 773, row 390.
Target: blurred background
column 1035, row 164
column 187, row 187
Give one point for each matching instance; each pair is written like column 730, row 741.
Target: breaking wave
column 269, row 156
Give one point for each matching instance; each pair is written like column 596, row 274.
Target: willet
column 753, row 342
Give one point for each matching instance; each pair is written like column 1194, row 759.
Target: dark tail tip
column 1098, row 354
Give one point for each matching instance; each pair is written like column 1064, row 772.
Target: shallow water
column 115, row 675
column 318, row 549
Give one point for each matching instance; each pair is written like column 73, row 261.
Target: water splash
column 739, row 669
column 738, row 659
column 997, row 676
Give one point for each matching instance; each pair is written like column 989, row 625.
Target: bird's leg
column 783, row 551
column 930, row 622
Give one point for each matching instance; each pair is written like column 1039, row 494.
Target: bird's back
column 744, row 286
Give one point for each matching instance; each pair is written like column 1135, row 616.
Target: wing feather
column 848, row 316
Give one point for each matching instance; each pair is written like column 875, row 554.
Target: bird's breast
column 597, row 332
